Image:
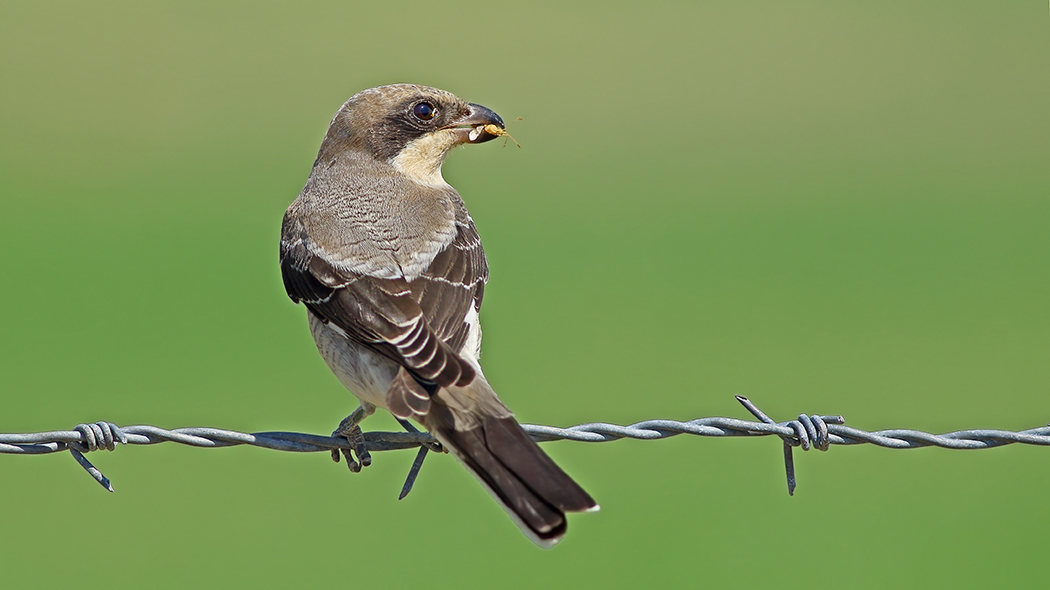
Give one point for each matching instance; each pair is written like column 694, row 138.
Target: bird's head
column 410, row 127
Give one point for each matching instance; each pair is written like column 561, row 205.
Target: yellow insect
column 495, row 130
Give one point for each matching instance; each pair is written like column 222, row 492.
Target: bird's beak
column 481, row 124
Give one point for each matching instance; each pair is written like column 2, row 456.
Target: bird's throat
column 421, row 159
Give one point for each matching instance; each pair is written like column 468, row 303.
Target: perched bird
column 384, row 255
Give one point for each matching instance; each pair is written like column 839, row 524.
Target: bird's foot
column 350, row 429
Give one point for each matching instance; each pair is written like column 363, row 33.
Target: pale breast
column 365, row 373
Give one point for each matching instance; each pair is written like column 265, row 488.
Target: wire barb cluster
column 812, row 431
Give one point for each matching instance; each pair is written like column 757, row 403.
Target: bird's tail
column 479, row 431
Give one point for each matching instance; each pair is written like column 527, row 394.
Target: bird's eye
column 424, row 111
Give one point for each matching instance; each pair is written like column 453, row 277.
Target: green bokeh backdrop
column 830, row 207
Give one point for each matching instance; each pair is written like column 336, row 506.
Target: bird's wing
column 420, row 324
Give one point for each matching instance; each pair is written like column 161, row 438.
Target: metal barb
column 93, row 437
column 91, row 469
column 789, row 460
column 417, row 464
column 413, row 472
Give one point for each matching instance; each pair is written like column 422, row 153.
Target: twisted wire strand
column 808, row 431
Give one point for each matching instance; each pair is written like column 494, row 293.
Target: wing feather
column 420, row 324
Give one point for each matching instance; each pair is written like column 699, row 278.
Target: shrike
column 384, row 255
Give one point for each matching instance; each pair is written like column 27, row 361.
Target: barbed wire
column 808, row 431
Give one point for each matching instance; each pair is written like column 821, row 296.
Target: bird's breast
column 382, row 225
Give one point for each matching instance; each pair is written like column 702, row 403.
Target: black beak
column 471, row 128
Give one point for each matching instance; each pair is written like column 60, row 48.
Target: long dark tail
column 529, row 485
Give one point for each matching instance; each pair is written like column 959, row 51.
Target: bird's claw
column 349, row 430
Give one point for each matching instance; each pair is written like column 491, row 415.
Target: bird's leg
column 350, row 429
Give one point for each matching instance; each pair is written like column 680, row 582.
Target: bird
column 388, row 262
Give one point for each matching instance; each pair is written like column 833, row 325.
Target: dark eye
column 424, row 111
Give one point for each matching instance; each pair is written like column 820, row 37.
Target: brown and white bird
column 384, row 255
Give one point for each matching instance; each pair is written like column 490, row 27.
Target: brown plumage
column 384, row 255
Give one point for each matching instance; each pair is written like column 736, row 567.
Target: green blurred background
column 829, row 207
